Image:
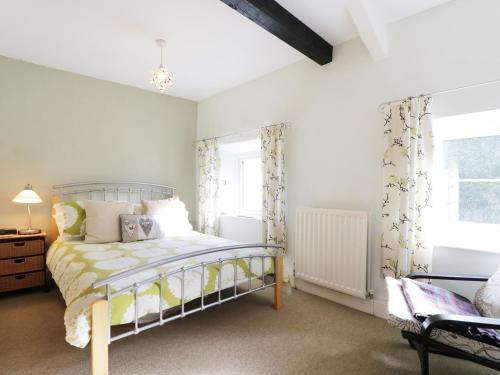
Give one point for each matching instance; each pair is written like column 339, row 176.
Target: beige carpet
column 310, row 336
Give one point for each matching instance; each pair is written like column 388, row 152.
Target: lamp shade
column 28, row 195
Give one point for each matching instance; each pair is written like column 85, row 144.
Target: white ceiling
column 211, row 48
column 331, row 19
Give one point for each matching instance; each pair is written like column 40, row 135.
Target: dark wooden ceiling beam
column 278, row 21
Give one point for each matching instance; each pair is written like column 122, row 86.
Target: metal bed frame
column 129, row 191
column 101, row 310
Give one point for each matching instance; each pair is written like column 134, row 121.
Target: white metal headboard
column 108, row 191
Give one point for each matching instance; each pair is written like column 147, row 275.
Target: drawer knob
column 20, row 277
column 19, row 244
column 20, row 260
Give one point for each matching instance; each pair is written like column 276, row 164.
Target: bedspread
column 75, row 266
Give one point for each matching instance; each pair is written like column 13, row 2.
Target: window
column 241, row 178
column 250, row 186
column 473, row 178
column 467, row 180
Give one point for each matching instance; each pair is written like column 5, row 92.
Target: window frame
column 455, row 233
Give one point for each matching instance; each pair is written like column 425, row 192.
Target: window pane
column 252, row 185
column 479, row 202
column 473, row 179
column 474, row 157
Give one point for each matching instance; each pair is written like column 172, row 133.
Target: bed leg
column 278, row 288
column 100, row 337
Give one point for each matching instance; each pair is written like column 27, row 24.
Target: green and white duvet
column 76, row 265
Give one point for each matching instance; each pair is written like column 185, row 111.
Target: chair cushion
column 398, row 312
column 399, row 316
column 487, row 298
column 425, row 300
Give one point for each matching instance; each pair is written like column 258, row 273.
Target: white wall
column 335, row 143
column 58, row 127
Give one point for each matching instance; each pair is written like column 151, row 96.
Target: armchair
column 443, row 334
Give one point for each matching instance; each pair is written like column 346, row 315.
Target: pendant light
column 161, row 78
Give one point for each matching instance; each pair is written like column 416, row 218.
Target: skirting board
column 380, row 308
column 369, row 306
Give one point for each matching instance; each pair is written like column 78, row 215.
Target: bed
column 120, row 284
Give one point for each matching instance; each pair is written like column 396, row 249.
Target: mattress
column 75, row 266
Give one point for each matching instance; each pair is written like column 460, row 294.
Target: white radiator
column 331, row 249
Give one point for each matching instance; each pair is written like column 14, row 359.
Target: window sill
column 468, row 247
column 479, row 242
column 255, row 217
column 469, row 236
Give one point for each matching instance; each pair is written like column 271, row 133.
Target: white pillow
column 487, row 299
column 171, row 215
column 138, row 209
column 103, row 220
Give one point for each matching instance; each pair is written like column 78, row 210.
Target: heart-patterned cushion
column 130, row 226
column 146, row 224
column 138, row 227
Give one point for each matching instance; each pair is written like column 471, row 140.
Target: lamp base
column 29, row 231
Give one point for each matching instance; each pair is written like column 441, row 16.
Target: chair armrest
column 443, row 276
column 449, row 321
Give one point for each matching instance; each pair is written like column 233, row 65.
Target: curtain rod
column 287, row 125
column 380, row 107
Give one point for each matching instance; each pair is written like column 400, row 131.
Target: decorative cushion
column 103, row 220
column 139, row 227
column 171, row 215
column 70, row 220
column 487, row 298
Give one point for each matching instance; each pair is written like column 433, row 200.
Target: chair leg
column 423, row 355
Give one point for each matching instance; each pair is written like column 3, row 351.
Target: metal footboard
column 181, row 273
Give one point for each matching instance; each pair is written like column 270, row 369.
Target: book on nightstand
column 7, row 231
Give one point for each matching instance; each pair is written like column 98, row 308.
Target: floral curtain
column 273, row 180
column 207, row 152
column 406, row 203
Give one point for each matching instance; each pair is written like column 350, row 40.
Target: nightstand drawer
column 20, row 265
column 21, row 248
column 21, row 281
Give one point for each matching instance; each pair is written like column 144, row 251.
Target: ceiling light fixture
column 161, row 77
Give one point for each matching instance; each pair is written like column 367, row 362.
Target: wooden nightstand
column 22, row 262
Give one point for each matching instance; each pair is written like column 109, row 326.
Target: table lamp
column 28, row 196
